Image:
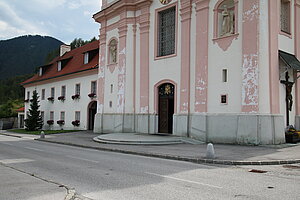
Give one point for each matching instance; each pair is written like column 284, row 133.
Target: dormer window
column 86, row 58
column 41, row 71
column 59, row 66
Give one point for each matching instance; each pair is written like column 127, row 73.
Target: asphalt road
column 106, row 175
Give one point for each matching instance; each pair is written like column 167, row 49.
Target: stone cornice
column 201, row 4
column 119, row 6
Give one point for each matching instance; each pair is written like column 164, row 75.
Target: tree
column 34, row 120
column 78, row 42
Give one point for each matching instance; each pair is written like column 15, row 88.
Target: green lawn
column 47, row 132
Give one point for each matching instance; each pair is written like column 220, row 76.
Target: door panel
column 163, row 115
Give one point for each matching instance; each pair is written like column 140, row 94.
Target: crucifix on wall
column 288, row 96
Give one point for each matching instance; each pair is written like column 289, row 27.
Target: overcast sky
column 61, row 19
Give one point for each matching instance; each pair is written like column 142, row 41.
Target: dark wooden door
column 92, row 113
column 163, row 115
column 166, row 108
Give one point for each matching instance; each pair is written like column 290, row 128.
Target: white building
column 67, row 88
column 207, row 69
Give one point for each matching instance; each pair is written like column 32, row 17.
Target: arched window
column 113, row 49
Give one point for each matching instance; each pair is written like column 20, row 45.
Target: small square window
column 223, row 99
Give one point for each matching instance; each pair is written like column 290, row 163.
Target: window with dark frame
column 224, row 99
column 77, row 89
column 77, row 115
column 52, row 92
column 51, row 115
column 62, row 115
column 166, row 31
column 43, row 94
column 224, row 75
column 63, row 91
column 93, row 87
column 43, row 116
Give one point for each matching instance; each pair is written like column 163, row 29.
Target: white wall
column 230, row 60
column 69, row 105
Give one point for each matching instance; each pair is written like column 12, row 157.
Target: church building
column 223, row 71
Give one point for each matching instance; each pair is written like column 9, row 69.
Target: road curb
column 180, row 158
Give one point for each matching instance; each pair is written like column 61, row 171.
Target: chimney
column 64, row 49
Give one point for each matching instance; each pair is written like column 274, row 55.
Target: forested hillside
column 21, row 55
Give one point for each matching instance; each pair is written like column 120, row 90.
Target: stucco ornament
column 227, row 22
column 167, row 89
column 165, row 2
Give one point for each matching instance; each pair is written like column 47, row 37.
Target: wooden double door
column 166, row 108
column 92, row 112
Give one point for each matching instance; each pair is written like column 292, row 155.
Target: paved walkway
column 225, row 154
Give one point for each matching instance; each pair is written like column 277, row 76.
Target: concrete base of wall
column 125, row 123
column 217, row 128
column 231, row 128
column 297, row 122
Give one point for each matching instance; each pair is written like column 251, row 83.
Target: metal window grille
column 166, row 32
column 285, row 16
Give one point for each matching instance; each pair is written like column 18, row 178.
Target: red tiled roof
column 21, row 109
column 74, row 65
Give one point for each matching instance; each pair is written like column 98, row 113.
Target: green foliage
column 34, row 120
column 10, row 88
column 9, row 108
column 21, row 55
column 78, row 42
column 53, row 54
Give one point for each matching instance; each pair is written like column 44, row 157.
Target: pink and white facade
column 218, row 80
